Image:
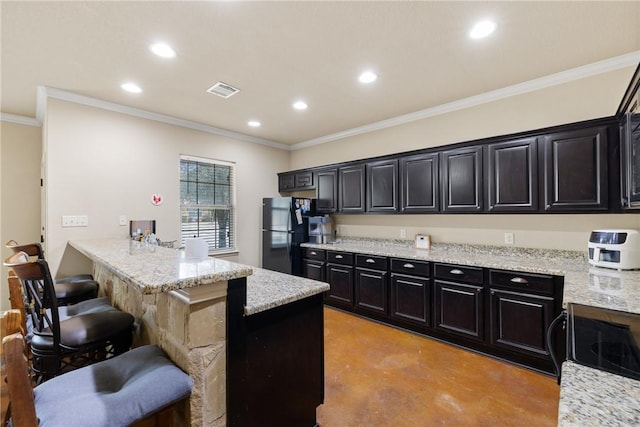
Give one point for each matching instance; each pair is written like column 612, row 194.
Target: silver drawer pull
column 407, row 265
column 370, row 260
column 313, row 253
column 520, row 280
column 456, row 272
column 339, row 257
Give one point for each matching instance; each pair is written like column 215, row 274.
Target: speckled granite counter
column 588, row 397
column 268, row 289
column 157, row 269
column 600, row 287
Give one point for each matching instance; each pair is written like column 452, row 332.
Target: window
column 207, row 202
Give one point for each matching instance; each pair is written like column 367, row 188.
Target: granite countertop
column 267, row 289
column 583, row 284
column 157, row 269
column 588, row 397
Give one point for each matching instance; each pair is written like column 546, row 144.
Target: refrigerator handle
column 289, row 245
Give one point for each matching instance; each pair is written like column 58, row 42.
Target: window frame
column 213, row 208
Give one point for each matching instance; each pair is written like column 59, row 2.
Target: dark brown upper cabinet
column 462, row 180
column 351, row 189
column 574, row 168
column 326, row 191
column 420, row 183
column 382, row 186
column 512, row 176
column 302, row 180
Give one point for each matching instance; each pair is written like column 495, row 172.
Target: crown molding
column 20, row 120
column 600, row 67
column 45, row 92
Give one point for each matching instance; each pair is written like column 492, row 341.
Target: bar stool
column 69, row 290
column 137, row 388
column 60, row 345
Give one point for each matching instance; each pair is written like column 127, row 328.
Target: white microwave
column 618, row 249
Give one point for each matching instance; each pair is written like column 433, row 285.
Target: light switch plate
column 75, row 220
column 122, row 220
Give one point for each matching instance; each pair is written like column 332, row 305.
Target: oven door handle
column 560, row 320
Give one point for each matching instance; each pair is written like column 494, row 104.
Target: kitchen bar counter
column 250, row 338
column 588, row 397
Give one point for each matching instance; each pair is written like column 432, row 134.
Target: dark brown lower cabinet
column 411, row 299
column 371, row 290
column 340, row 278
column 519, row 321
column 459, row 309
column 313, row 270
column 498, row 312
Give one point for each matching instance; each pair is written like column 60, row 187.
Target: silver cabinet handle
column 407, row 265
column 520, row 280
column 370, row 260
column 456, row 272
column 339, row 256
column 313, row 253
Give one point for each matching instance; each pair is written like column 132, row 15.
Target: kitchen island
column 588, row 397
column 252, row 340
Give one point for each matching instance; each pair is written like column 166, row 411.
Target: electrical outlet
column 75, row 221
column 403, row 233
column 123, row 220
column 508, row 238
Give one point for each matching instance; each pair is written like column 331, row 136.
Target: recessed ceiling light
column 131, row 87
column 300, row 105
column 254, row 123
column 482, row 29
column 368, row 77
column 163, row 50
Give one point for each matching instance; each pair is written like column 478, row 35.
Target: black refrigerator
column 285, row 224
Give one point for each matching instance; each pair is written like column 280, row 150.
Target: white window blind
column 207, row 197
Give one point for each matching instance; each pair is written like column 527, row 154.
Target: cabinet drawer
column 372, row 262
column 410, row 267
column 458, row 273
column 522, row 281
column 317, row 254
column 340, row 257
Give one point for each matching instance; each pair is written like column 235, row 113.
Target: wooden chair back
column 31, row 249
column 17, row 297
column 23, row 409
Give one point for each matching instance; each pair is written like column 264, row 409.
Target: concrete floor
column 378, row 376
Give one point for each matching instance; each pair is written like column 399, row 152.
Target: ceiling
column 278, row 52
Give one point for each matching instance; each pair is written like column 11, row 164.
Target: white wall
column 105, row 164
column 20, row 153
column 584, row 99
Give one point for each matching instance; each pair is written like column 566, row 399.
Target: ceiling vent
column 222, row 89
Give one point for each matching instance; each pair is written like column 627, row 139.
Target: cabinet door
column 575, row 170
column 512, row 176
column 327, row 191
column 462, row 180
column 313, row 269
column 519, row 321
column 304, row 180
column 286, row 182
column 351, row 189
column 459, row 309
column 371, row 290
column 382, row 186
column 419, row 183
column 411, row 299
column 340, row 278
